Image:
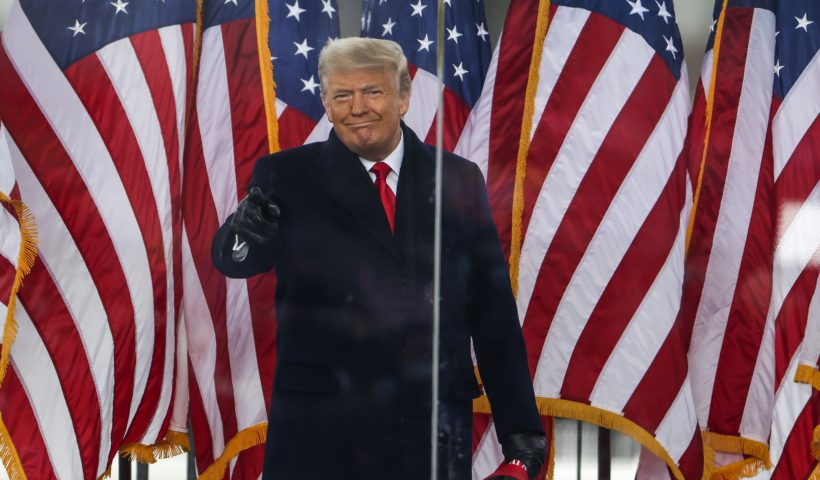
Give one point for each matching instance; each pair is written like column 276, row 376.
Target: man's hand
column 256, row 220
column 524, row 454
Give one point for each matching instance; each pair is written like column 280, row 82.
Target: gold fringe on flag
column 758, row 453
column 541, row 27
column 174, row 443
column 25, row 261
column 710, row 105
column 557, row 407
column 266, row 69
column 247, row 438
column 815, row 443
column 808, row 374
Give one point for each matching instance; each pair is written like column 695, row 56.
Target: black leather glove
column 256, row 220
column 527, row 448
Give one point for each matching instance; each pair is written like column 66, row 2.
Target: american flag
column 466, row 58
column 231, row 327
column 297, row 34
column 751, row 275
column 603, row 200
column 93, row 100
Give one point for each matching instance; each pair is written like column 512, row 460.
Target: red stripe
column 294, row 128
column 509, row 91
column 201, row 224
column 802, row 172
column 691, row 462
column 456, row 113
column 589, row 55
column 696, row 134
column 250, row 137
column 249, row 463
column 94, row 89
column 791, row 322
column 636, row 122
column 22, row 426
column 200, row 430
column 747, row 316
column 55, row 171
column 797, row 461
column 481, row 423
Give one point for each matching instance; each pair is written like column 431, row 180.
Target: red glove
column 514, row 470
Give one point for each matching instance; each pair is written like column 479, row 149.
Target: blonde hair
column 357, row 53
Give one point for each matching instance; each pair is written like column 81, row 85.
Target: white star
column 78, row 28
column 388, row 27
column 803, row 23
column 425, row 43
column 294, row 10
column 637, row 8
column 417, row 8
column 448, row 3
column 382, row 1
column 453, row 34
column 120, row 6
column 310, row 84
column 231, row 1
column 670, row 46
column 302, row 48
column 663, row 12
column 712, row 26
column 327, row 8
column 481, row 31
column 459, row 71
column 778, row 67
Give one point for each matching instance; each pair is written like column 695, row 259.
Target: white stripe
column 706, row 71
column 72, row 124
column 173, row 45
column 423, row 102
column 796, row 114
column 647, row 330
column 320, row 132
column 791, row 256
column 680, row 423
column 119, row 59
column 789, row 403
column 215, row 125
column 280, row 107
column 565, row 28
column 248, row 396
column 66, row 267
column 9, row 243
column 488, row 455
column 474, row 143
column 732, row 226
column 201, row 338
column 810, row 351
column 6, row 170
column 601, row 107
column 37, row 375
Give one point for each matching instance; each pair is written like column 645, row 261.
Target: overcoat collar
column 349, row 184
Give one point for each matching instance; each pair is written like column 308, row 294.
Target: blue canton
column 798, row 41
column 73, row 29
column 654, row 20
column 217, row 12
column 298, row 31
column 412, row 24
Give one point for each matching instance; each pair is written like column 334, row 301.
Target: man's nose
column 359, row 104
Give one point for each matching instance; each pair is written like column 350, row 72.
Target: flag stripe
column 607, row 97
column 791, row 322
column 592, row 50
column 799, row 176
column 19, row 418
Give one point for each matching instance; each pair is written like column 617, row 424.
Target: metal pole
column 125, row 468
column 604, row 453
column 142, row 471
column 437, row 239
column 578, row 444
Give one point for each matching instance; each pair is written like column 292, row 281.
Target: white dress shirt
column 394, row 161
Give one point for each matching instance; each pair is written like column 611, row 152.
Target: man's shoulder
column 293, row 156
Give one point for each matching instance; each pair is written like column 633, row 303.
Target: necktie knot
column 381, row 169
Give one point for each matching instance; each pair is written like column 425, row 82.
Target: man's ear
column 328, row 111
column 405, row 103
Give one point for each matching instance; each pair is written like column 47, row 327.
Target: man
column 348, row 226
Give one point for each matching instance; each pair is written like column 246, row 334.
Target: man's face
column 365, row 108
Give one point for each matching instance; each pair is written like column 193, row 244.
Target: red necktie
column 386, row 195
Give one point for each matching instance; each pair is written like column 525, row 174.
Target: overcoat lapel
column 346, row 180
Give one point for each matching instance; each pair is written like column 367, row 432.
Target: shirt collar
column 393, row 160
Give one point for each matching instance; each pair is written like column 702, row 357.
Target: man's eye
column 373, row 93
